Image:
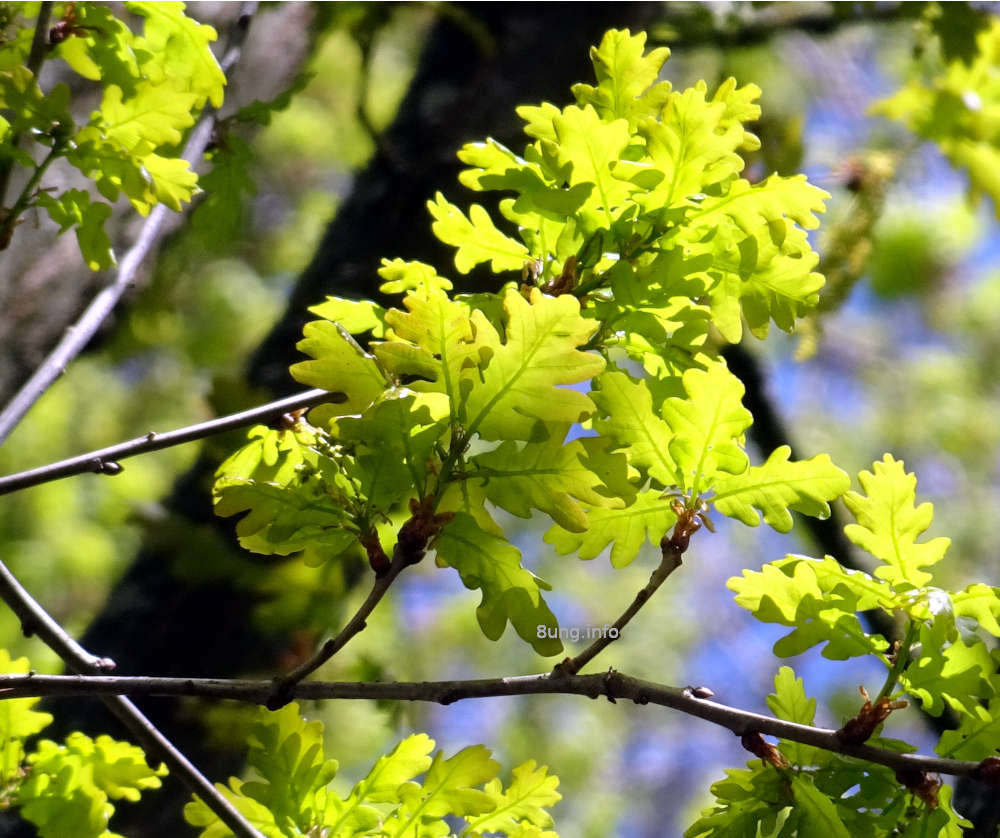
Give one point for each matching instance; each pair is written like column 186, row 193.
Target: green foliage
column 637, row 235
column 152, row 86
column 943, row 661
column 819, row 792
column 65, row 789
column 293, row 795
column 958, row 107
column 587, row 390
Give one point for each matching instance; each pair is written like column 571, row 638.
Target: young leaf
column 708, row 427
column 819, row 812
column 356, row 814
column 295, row 498
column 403, row 277
column 510, row 593
column 74, row 208
column 625, row 78
column 888, row 524
column 544, row 475
column 778, row 486
column 977, row 736
column 958, row 675
column 649, row 517
column 287, row 753
column 524, row 801
column 476, row 237
column 67, row 788
column 628, row 417
column 789, row 702
column 357, row 316
column 588, row 146
column 693, row 145
column 981, row 603
column 182, row 45
column 524, row 381
column 340, row 366
column 820, row 599
column 449, row 788
column 18, row 721
column 435, row 340
column 397, row 435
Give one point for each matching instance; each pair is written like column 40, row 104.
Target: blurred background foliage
column 903, row 358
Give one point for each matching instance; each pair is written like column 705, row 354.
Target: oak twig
column 612, row 685
column 281, row 689
column 35, row 620
column 105, row 460
column 672, row 548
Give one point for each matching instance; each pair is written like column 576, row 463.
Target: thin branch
column 35, row 620
column 417, row 531
column 80, row 333
column 280, row 690
column 105, row 460
column 672, row 549
column 34, row 63
column 10, row 216
column 612, row 685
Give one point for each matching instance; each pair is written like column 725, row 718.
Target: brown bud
column 760, row 747
column 859, row 730
column 921, row 783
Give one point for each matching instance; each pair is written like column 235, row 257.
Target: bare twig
column 672, row 548
column 105, row 460
column 411, row 542
column 80, row 333
column 280, row 692
column 35, row 620
column 612, row 685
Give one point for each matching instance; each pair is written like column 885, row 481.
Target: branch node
column 610, row 681
column 104, row 664
column 280, row 695
column 564, row 669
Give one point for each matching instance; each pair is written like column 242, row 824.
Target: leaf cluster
column 408, row 792
column 820, row 792
column 589, row 391
column 65, row 789
column 151, row 86
column 957, row 107
column 945, row 660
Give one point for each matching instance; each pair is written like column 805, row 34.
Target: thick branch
column 80, row 333
column 612, row 685
column 105, row 460
column 35, row 620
